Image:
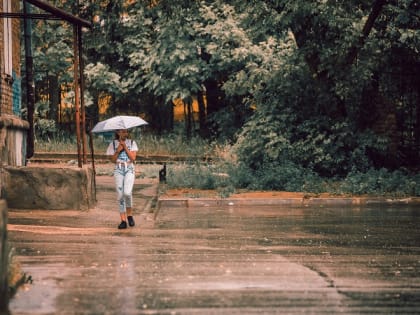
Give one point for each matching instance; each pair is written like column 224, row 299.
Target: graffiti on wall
column 17, row 95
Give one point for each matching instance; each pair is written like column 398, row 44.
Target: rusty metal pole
column 92, row 152
column 76, row 92
column 82, row 99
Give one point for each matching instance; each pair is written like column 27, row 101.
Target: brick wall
column 13, row 129
column 10, row 89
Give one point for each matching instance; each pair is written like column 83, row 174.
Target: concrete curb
column 297, row 202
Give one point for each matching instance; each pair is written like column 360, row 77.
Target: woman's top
column 122, row 157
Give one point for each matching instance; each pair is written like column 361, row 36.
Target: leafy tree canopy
column 307, row 82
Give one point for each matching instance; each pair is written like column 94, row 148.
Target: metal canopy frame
column 64, row 15
column 55, row 13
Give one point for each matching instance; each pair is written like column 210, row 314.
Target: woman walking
column 122, row 151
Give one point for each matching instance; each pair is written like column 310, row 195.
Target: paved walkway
column 216, row 259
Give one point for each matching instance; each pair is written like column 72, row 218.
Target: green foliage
column 270, row 176
column 316, row 82
column 381, row 182
column 310, row 112
column 45, row 128
column 101, row 78
column 54, row 51
column 226, row 178
column 191, row 176
column 319, row 144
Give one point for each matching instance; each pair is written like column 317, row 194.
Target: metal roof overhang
column 60, row 13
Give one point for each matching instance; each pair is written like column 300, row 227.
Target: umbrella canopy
column 118, row 122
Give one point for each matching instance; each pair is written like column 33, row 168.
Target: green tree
column 317, row 83
column 325, row 109
column 52, row 59
column 196, row 50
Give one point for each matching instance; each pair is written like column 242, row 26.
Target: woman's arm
column 123, row 147
column 117, row 152
column 131, row 154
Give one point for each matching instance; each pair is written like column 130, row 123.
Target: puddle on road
column 379, row 226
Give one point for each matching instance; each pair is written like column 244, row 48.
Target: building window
column 8, row 41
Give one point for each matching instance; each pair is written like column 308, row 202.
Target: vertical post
column 82, row 99
column 417, row 126
column 92, row 152
column 76, row 91
column 30, row 85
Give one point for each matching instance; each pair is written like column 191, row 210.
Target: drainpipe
column 30, row 85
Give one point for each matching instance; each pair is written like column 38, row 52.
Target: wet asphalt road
column 218, row 259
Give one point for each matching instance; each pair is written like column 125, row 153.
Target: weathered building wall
column 13, row 130
column 12, row 140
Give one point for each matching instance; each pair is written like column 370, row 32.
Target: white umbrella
column 118, row 122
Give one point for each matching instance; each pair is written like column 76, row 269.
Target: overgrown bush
column 228, row 177
column 382, row 182
column 199, row 176
column 297, row 123
column 45, row 129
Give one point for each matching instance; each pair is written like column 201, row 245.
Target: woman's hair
column 116, row 137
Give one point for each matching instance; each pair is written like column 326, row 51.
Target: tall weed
column 149, row 144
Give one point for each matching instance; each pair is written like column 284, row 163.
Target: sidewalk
column 191, row 197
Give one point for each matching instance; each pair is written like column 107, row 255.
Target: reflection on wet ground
column 221, row 260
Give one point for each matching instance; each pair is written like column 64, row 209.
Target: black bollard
column 162, row 174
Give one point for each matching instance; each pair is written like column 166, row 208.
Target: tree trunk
column 162, row 115
column 374, row 13
column 417, row 128
column 214, row 95
column 54, row 96
column 202, row 115
column 188, row 115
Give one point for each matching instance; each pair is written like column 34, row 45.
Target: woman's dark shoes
column 123, row 225
column 131, row 220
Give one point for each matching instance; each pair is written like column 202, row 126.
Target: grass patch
column 149, row 144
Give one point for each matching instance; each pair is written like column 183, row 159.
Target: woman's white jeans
column 124, row 175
